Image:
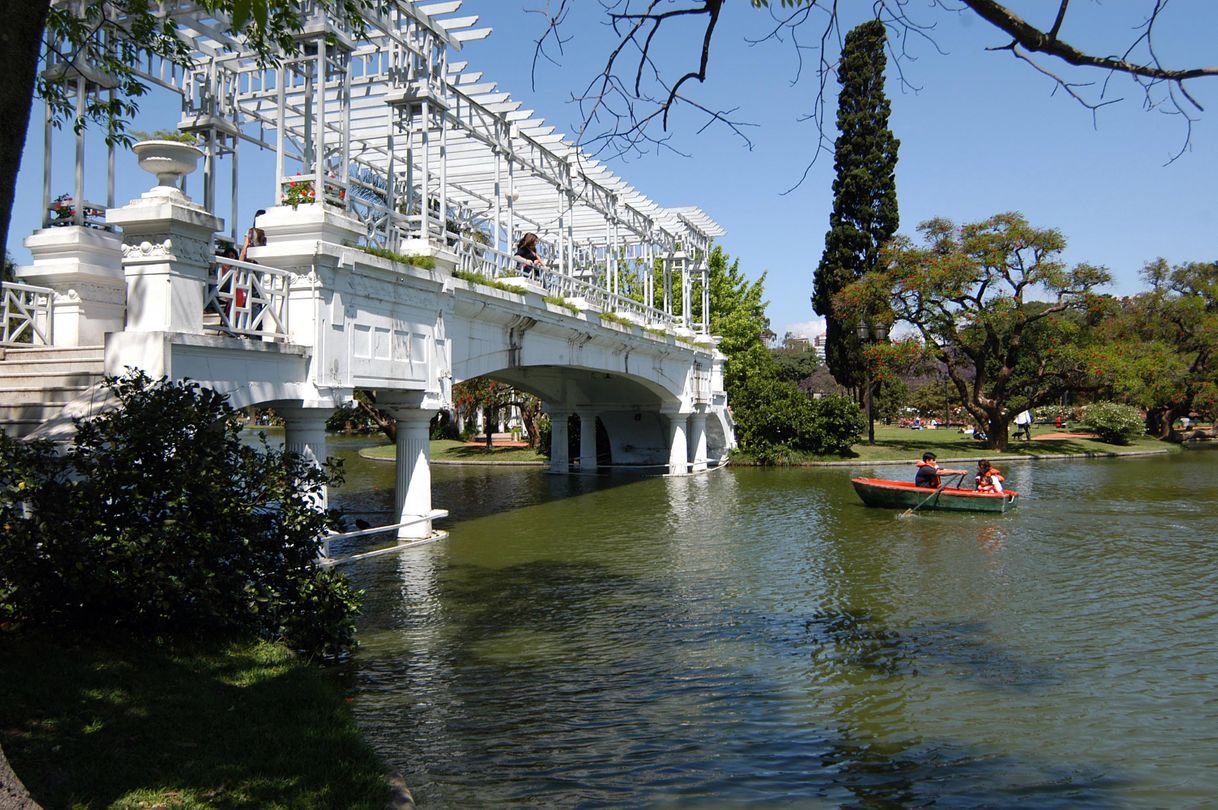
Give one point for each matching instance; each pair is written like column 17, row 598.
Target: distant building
column 818, row 343
column 796, row 342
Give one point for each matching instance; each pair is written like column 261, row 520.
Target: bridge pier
column 697, row 440
column 304, row 432
column 587, row 439
column 559, row 457
column 678, row 444
column 412, row 481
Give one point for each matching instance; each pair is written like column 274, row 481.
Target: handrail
column 27, row 314
column 485, row 260
column 249, row 298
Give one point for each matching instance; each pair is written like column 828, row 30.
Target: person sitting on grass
column 929, row 472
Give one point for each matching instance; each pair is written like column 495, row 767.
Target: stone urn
column 170, row 161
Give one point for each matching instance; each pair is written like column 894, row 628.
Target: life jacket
column 984, row 483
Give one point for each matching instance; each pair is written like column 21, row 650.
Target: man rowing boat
column 929, row 472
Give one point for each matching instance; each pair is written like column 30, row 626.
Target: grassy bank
column 903, row 444
column 450, row 450
column 127, row 724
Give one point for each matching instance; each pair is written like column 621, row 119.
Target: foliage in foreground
column 159, row 519
column 119, row 722
column 1113, row 422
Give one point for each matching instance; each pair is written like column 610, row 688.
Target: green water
column 757, row 637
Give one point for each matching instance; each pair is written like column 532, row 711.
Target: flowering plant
column 64, row 207
column 299, row 191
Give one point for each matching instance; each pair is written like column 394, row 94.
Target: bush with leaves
column 160, row 519
column 1114, row 422
column 837, row 422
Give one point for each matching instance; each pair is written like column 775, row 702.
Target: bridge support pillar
column 412, row 484
column 304, row 432
column 167, row 253
column 587, row 440
column 697, row 441
column 559, row 457
column 678, row 444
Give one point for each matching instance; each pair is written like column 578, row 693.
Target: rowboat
column 904, row 495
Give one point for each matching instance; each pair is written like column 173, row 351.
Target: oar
column 926, row 500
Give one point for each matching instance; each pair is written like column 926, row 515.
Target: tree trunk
column 20, row 40
column 488, row 416
column 997, row 431
column 387, row 424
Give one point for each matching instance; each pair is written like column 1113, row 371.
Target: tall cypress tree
column 864, row 192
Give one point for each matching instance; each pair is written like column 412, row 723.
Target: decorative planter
column 168, row 160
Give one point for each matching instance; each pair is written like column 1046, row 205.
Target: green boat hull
column 886, row 494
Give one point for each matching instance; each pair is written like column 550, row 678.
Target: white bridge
column 393, row 272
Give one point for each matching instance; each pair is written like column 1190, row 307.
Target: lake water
column 757, row 637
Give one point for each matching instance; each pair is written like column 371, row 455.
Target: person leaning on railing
column 527, row 256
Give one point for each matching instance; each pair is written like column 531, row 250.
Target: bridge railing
column 475, row 257
column 244, row 298
column 27, row 311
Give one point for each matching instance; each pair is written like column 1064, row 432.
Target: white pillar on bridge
column 587, row 440
column 697, row 440
column 559, row 458
column 678, row 444
column 167, row 253
column 84, row 266
column 304, row 432
column 412, row 485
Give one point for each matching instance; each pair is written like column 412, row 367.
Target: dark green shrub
column 1114, row 422
column 837, row 423
column 159, row 519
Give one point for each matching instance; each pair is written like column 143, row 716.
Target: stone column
column 587, row 440
column 559, row 461
column 697, row 440
column 412, row 484
column 167, row 251
column 84, row 266
column 678, row 445
column 305, row 433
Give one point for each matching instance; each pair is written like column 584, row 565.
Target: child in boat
column 989, row 479
column 929, row 472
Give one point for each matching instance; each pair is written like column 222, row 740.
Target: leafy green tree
column 160, row 519
column 1165, row 343
column 492, row 398
column 796, row 365
column 865, row 211
column 114, row 37
column 969, row 293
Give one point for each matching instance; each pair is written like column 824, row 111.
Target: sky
column 980, row 133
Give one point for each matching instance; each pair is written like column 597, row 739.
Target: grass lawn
column 902, row 444
column 451, row 450
column 131, row 724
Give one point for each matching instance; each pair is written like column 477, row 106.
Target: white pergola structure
column 424, row 151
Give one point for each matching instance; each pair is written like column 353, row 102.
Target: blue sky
column 981, row 134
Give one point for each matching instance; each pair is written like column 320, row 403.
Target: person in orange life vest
column 929, row 472
column 989, row 479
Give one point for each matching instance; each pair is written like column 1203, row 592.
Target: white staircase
column 36, row 383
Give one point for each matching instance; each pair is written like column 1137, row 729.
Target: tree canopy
column 990, row 300
column 865, row 213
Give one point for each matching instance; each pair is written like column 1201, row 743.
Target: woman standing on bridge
column 526, row 252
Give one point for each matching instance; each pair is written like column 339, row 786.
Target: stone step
column 48, row 378
column 23, row 354
column 11, row 369
column 28, row 394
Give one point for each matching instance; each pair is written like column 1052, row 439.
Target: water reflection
column 757, row 637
